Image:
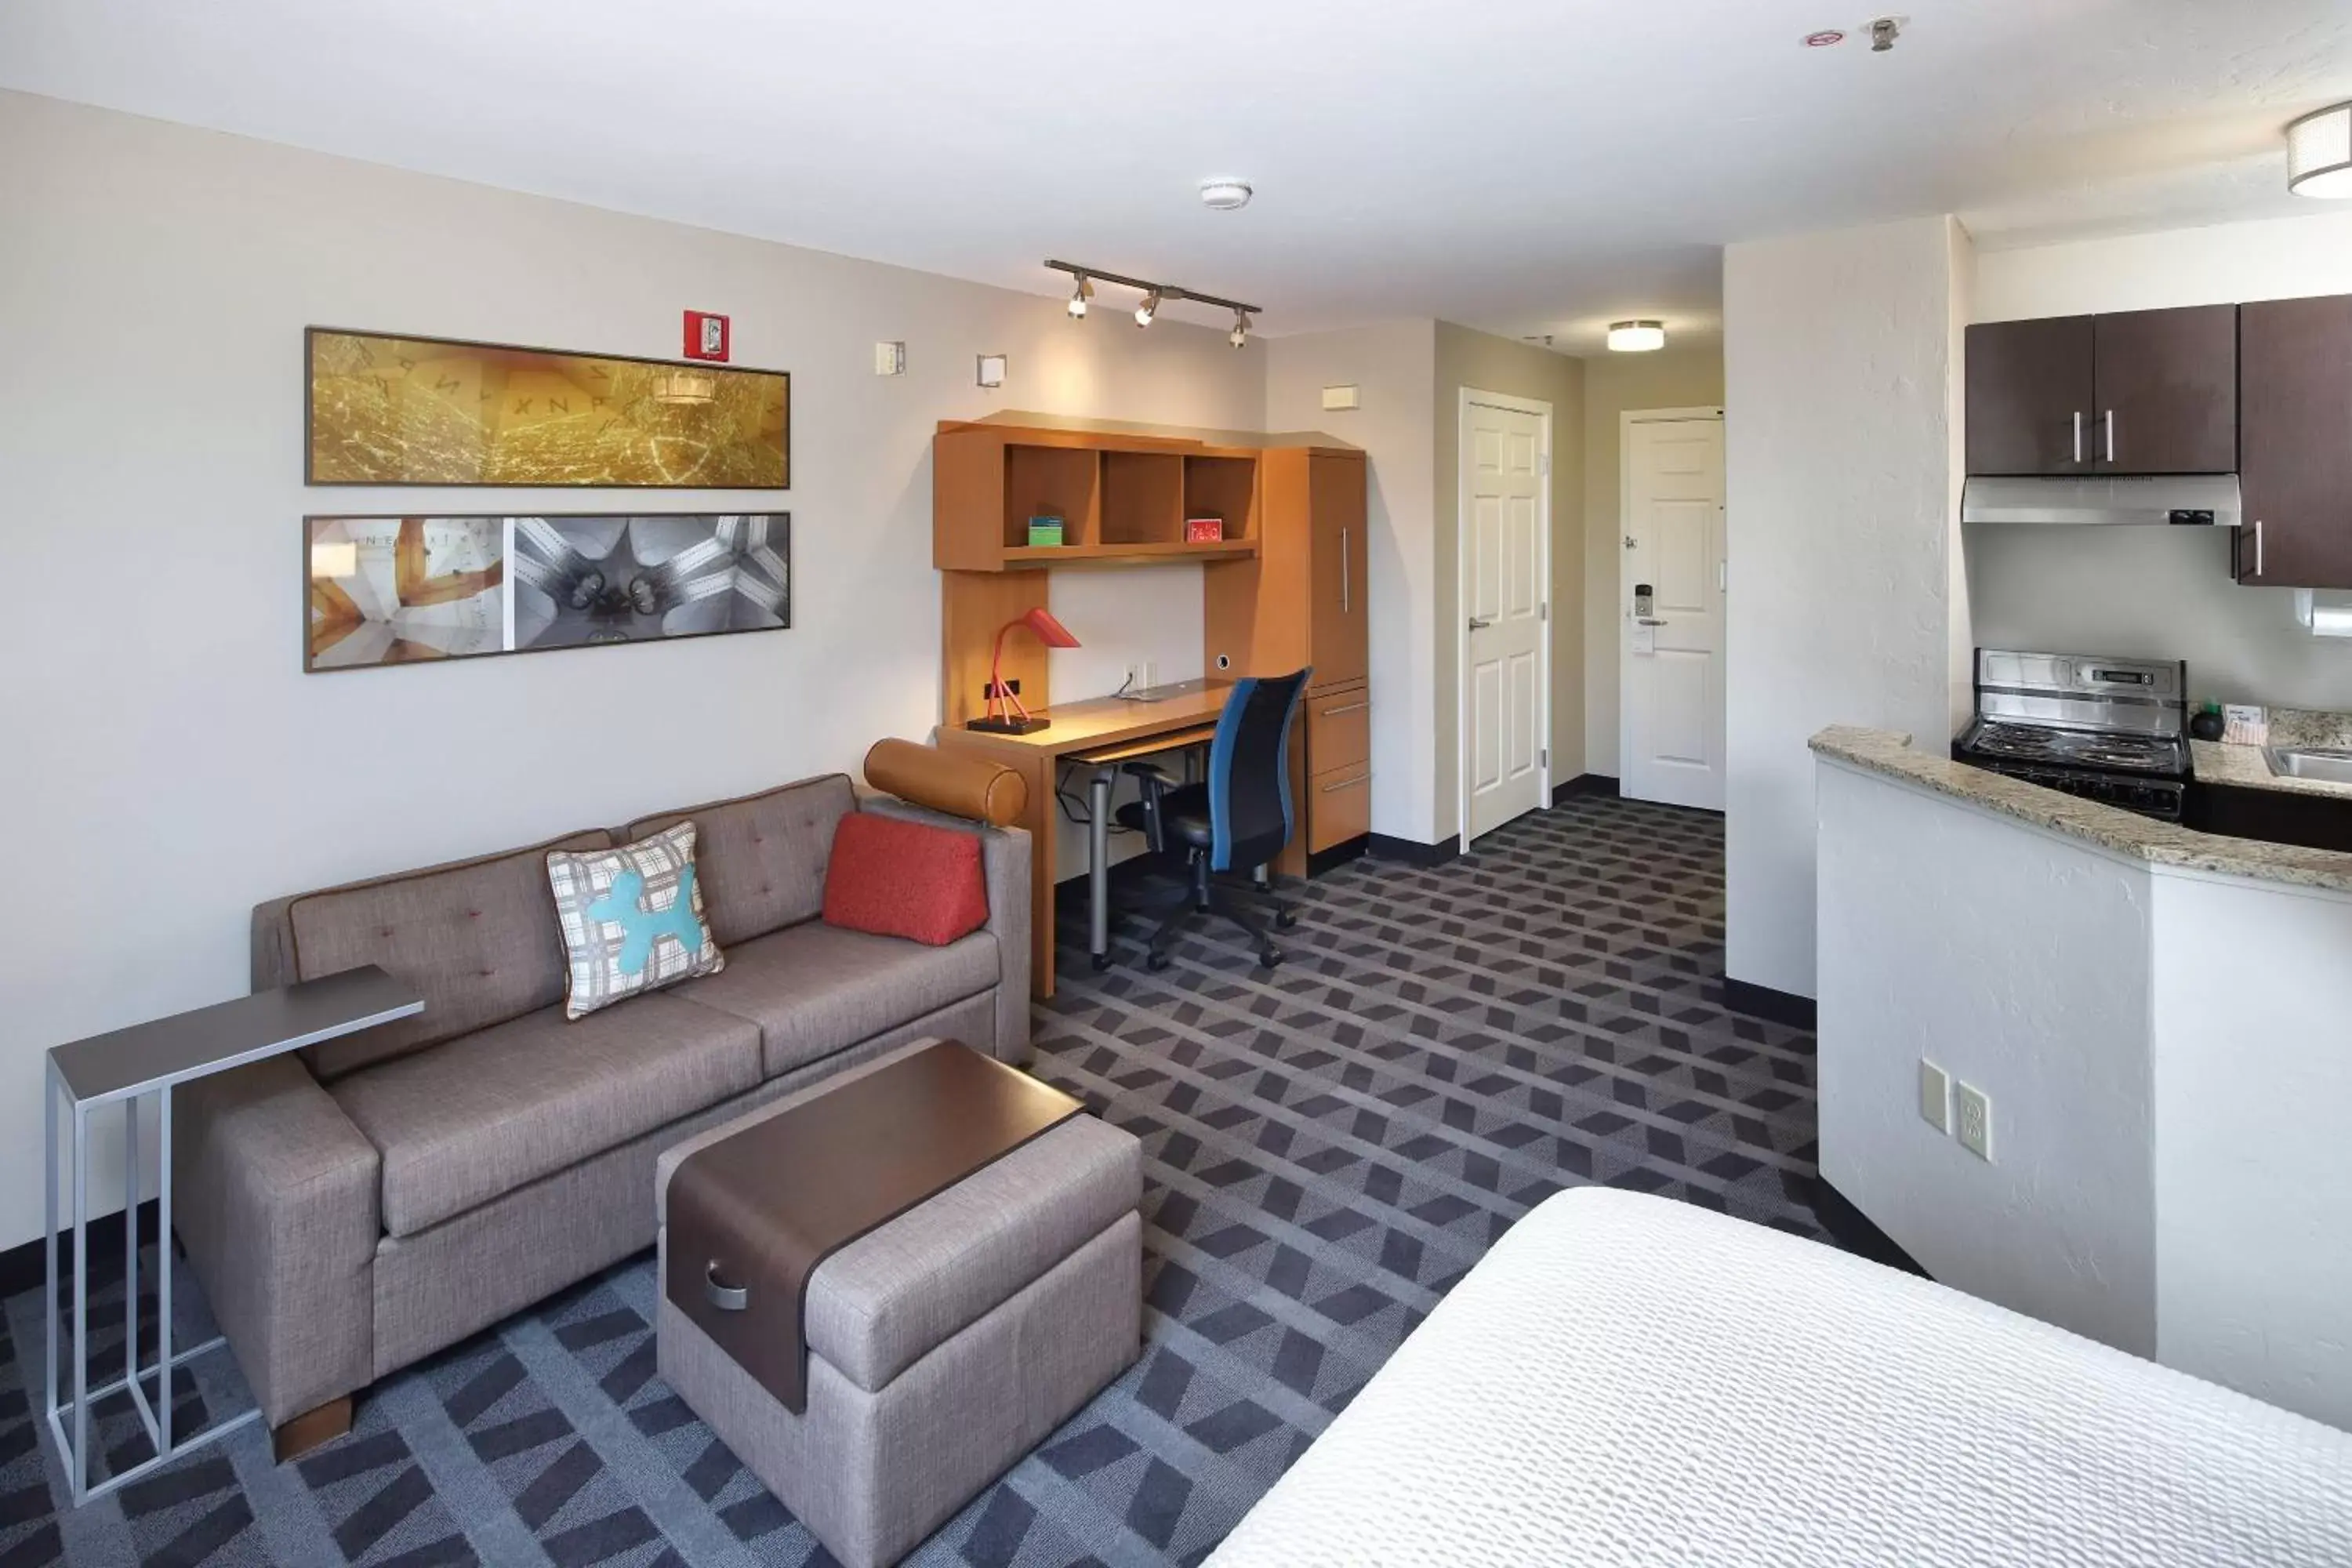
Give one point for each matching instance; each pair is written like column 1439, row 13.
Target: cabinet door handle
column 1350, row 708
column 1344, row 591
column 2078, row 435
column 1348, row 783
column 2258, row 547
column 2111, row 435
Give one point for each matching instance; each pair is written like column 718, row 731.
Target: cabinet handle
column 1348, row 783
column 1350, row 708
column 726, row 1298
column 2078, row 436
column 2258, row 547
column 1344, row 606
column 2111, row 435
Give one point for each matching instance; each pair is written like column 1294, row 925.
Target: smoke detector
column 1225, row 195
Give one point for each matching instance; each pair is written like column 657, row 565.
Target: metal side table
column 122, row 1067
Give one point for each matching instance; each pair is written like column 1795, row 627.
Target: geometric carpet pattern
column 1328, row 1146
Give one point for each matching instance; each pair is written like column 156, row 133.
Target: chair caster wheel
column 1156, row 961
column 1101, row 960
column 1269, row 956
column 1285, row 921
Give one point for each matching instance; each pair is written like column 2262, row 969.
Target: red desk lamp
column 1006, row 715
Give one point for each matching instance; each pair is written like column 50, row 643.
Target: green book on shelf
column 1045, row 531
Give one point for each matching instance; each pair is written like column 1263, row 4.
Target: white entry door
column 1505, row 574
column 1673, row 651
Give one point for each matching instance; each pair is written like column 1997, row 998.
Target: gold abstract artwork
column 426, row 411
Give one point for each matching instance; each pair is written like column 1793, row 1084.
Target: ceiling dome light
column 1239, row 336
column 1636, row 337
column 2319, row 153
column 1078, row 298
column 1225, row 195
column 1149, row 309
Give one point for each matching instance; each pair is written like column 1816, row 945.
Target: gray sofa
column 366, row 1202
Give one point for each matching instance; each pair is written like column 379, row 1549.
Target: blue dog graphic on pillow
column 639, row 926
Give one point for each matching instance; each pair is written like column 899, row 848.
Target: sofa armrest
column 1005, row 862
column 276, row 1199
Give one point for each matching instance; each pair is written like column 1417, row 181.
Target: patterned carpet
column 1329, row 1146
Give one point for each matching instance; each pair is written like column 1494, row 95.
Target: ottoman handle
column 726, row 1298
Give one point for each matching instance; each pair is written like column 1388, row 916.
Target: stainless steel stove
column 2113, row 729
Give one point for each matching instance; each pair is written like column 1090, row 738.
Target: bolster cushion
column 955, row 782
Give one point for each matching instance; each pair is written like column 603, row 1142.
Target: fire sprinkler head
column 1883, row 34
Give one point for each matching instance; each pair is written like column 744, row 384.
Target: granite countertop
column 2244, row 767
column 2123, row 832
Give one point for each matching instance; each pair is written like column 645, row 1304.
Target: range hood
column 2207, row 501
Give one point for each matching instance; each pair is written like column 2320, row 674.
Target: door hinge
column 1543, row 758
column 1543, row 611
column 1547, row 464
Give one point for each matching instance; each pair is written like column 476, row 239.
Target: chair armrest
column 1157, row 781
column 1005, row 854
column 276, row 1197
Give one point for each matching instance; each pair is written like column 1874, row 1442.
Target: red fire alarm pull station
column 706, row 335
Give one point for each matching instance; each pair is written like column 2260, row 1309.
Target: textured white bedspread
column 1631, row 1380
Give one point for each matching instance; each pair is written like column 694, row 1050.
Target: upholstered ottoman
column 941, row 1346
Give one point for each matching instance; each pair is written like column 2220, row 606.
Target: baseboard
column 1856, row 1231
column 22, row 1268
column 1412, row 853
column 1339, row 855
column 1773, row 1006
column 1584, row 783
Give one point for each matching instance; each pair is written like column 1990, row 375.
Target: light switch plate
column 1342, row 398
column 1972, row 1124
column 1935, row 1096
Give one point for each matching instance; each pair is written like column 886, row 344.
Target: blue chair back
column 1249, row 772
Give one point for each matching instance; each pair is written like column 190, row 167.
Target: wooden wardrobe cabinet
column 1301, row 601
column 2295, row 443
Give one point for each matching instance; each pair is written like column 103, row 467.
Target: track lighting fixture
column 1154, row 296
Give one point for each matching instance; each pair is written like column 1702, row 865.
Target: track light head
column 1239, row 336
column 1079, row 296
column 1149, row 309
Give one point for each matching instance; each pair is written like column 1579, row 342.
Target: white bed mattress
column 1632, row 1380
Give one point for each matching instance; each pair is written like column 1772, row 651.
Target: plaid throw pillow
column 632, row 919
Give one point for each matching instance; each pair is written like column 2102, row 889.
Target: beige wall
column 179, row 764
column 1483, row 362
column 1393, row 366
column 1672, row 378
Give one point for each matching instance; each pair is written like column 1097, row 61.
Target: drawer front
column 1338, row 807
column 1339, row 731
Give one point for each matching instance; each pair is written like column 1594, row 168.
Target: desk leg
column 1042, row 821
column 1098, row 868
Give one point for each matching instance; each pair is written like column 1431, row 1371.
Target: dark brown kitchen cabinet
column 2139, row 392
column 2029, row 393
column 2295, row 461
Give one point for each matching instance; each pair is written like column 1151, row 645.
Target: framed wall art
column 406, row 590
column 386, row 410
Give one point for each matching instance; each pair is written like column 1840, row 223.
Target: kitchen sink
column 2307, row 762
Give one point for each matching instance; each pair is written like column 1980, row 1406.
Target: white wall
column 1614, row 385
column 1839, row 376
column 171, row 764
column 2019, row 961
column 1395, row 364
column 2149, row 591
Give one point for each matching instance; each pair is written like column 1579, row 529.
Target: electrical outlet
column 1935, row 1096
column 1975, row 1122
column 1136, row 680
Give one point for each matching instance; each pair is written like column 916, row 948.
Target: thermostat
column 991, row 370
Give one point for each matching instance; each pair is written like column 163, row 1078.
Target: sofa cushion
column 632, row 920
column 763, row 857
column 477, row 939
column 473, row 1118
column 813, row 989
column 892, row 878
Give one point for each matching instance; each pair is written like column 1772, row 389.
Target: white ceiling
column 1526, row 166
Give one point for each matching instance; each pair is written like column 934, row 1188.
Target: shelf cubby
column 1142, row 499
column 1223, row 486
column 1052, row 481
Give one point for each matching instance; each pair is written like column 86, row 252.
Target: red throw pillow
column 893, row 878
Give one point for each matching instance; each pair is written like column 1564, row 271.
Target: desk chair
column 1238, row 819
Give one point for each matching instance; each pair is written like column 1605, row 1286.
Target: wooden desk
column 1104, row 730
